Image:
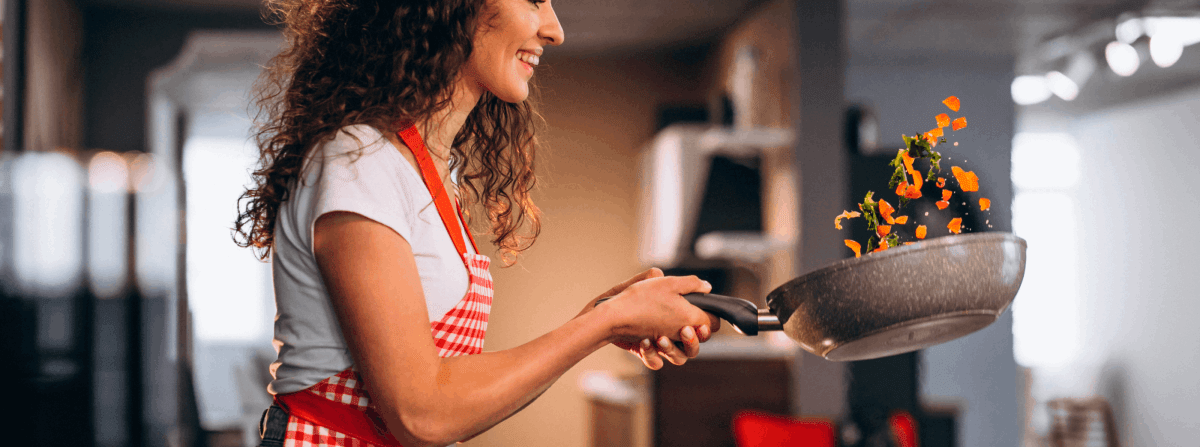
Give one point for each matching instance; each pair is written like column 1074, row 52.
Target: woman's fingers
column 684, row 285
column 691, row 341
column 650, row 273
column 667, row 350
column 649, row 355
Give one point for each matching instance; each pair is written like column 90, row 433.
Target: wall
column 600, row 112
column 53, row 105
column 976, row 373
column 1139, row 167
column 121, row 48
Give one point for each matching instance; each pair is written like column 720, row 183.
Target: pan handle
column 740, row 313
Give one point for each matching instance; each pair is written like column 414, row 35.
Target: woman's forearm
column 470, row 394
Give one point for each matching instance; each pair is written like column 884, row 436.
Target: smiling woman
column 382, row 122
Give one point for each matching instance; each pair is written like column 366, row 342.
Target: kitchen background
column 129, row 318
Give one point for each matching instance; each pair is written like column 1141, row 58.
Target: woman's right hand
column 648, row 315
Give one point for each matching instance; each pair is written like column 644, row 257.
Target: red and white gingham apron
column 341, row 399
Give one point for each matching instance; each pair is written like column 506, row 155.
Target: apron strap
column 433, row 182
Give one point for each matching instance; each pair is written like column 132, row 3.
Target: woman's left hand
column 653, row 352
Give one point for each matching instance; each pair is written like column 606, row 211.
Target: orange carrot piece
column 854, row 246
column 918, row 180
column 921, row 232
column 955, row 225
column 909, row 243
column 941, row 183
column 883, row 245
column 984, row 204
column 942, row 204
column 937, row 132
column 967, row 180
column 952, row 103
column 943, row 120
column 901, row 220
column 883, row 230
column 837, row 221
column 902, row 188
column 959, row 123
column 886, row 210
column 913, row 192
column 946, row 194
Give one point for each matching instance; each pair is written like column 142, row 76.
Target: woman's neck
column 440, row 129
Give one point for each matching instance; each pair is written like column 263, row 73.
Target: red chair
column 757, row 429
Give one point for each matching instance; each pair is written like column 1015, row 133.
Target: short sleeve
column 359, row 172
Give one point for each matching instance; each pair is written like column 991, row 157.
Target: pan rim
column 941, row 242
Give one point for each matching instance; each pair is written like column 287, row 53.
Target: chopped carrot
column 942, row 204
column 984, row 204
column 941, row 183
column 909, row 243
column 883, row 245
column 902, row 188
column 918, row 181
column 955, row 225
column 937, row 132
column 959, row 123
column 931, row 139
column 854, row 246
column 921, row 232
column 943, row 120
column 901, row 220
column 837, row 221
column 913, row 192
column 946, row 194
column 967, row 180
column 886, row 210
column 952, row 103
column 883, row 230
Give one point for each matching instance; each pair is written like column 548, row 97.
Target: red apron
column 337, row 411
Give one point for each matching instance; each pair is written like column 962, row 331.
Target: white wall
column 1139, row 301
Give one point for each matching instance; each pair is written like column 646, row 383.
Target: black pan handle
column 738, row 312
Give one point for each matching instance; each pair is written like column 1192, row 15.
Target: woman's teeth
column 528, row 58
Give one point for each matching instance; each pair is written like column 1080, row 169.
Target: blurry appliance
column 701, row 198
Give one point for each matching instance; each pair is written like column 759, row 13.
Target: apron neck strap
column 450, row 218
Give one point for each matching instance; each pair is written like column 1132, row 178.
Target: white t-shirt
column 361, row 172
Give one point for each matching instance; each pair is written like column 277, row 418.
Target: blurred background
column 709, row 138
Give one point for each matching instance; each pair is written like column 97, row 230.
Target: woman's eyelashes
column 537, row 3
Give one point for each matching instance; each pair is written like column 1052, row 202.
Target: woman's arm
column 371, row 275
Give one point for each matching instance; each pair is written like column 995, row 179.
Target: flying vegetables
column 906, row 181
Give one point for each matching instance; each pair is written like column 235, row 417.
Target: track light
column 1122, row 58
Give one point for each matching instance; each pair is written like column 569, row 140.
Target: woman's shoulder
column 356, row 138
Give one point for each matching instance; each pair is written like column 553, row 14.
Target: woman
column 378, row 112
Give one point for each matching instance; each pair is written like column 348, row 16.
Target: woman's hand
column 654, row 345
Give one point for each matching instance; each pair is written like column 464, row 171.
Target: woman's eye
column 537, row 3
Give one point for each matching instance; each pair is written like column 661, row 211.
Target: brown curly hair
column 378, row 63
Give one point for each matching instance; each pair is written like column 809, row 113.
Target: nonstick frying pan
column 891, row 302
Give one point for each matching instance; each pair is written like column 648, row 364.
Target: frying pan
column 891, row 302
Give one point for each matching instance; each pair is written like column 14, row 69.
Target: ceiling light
column 1027, row 90
column 1122, row 58
column 1129, row 30
column 1165, row 50
column 1184, row 29
column 1062, row 86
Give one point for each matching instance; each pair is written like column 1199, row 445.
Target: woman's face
column 508, row 45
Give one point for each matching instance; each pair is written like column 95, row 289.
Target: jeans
column 273, row 427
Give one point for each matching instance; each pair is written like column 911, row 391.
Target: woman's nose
column 551, row 31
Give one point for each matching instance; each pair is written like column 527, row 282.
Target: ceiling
column 1007, row 33
column 960, row 28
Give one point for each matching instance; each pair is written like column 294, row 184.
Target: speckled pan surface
column 940, row 279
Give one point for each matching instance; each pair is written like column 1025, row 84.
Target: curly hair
column 378, row 63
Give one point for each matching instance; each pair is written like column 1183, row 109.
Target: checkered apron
column 459, row 332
